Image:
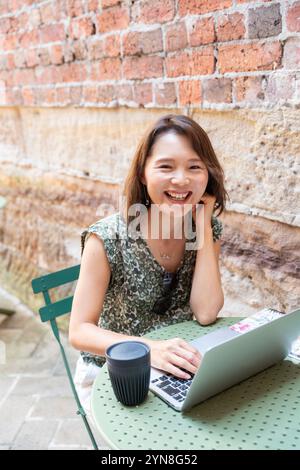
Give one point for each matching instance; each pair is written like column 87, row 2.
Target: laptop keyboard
column 176, row 388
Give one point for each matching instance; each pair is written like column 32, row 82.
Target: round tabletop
column 261, row 412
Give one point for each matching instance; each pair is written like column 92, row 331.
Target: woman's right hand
column 174, row 354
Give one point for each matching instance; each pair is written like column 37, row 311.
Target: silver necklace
column 165, row 255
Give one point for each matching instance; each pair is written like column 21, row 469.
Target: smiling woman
column 128, row 287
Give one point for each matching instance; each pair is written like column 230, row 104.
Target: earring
column 147, row 202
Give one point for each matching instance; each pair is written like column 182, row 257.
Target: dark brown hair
column 182, row 125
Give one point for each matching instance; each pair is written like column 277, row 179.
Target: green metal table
column 262, row 412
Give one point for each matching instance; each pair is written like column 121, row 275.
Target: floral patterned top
column 136, row 282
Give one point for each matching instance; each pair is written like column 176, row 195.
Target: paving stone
column 72, row 431
column 13, row 413
column 18, row 320
column 20, row 350
column 34, row 331
column 41, row 367
column 53, row 447
column 35, row 435
column 54, row 408
column 10, row 335
column 5, row 384
column 44, row 386
column 72, row 356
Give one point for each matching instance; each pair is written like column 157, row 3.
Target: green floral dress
column 136, row 282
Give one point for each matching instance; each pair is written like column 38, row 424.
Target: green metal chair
column 51, row 311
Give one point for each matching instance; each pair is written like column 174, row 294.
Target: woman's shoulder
column 108, row 228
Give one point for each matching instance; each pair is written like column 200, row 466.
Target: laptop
column 230, row 355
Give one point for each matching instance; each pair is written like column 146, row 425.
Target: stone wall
column 81, row 80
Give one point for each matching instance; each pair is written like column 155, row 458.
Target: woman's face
column 173, row 170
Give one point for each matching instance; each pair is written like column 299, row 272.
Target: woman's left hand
column 209, row 204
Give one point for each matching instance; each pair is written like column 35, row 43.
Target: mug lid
column 127, row 353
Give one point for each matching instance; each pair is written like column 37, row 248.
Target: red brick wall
column 153, row 53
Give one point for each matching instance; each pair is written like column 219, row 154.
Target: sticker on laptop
column 258, row 319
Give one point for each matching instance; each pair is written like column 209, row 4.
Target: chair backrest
column 51, row 311
column 49, row 281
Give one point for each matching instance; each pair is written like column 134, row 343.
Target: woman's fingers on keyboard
column 189, row 356
column 194, row 357
column 183, row 363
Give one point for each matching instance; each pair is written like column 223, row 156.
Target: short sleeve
column 111, row 244
column 217, row 228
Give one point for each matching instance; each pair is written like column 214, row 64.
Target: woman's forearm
column 90, row 338
column 206, row 298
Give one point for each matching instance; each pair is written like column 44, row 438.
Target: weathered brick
column 291, row 55
column 246, row 57
column 43, row 75
column 5, row 25
column 142, row 42
column 142, row 67
column 112, row 19
column 280, row 87
column 249, row 89
column 10, row 61
column 189, row 92
column 112, row 45
column 154, row 11
column 90, row 93
column 22, row 21
column 109, row 69
column 142, row 93
column 47, row 13
column 10, row 42
column 165, row 94
column 75, row 7
column 44, row 56
column 217, row 90
column 30, row 38
column 109, row 3
column 48, row 96
column 94, row 5
column 63, row 96
column 79, row 50
column 23, row 77
column 53, row 33
column 230, row 27
column 56, row 54
column 198, row 7
column 293, row 17
column 264, row 21
column 73, row 72
column 28, row 96
column 31, row 57
column 124, row 93
column 76, row 94
column 176, row 36
column 106, row 93
column 35, row 18
column 82, row 28
column 95, row 49
column 201, row 31
column 199, row 62
column 20, row 60
column 251, row 1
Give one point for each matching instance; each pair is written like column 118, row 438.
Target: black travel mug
column 128, row 365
